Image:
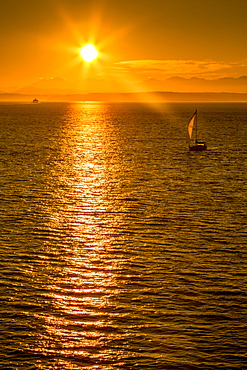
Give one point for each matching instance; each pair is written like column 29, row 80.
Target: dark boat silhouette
column 194, row 145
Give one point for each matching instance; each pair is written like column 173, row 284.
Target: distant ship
column 35, row 100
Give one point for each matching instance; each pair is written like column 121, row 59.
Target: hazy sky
column 136, row 39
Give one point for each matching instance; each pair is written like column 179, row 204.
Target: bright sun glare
column 89, row 53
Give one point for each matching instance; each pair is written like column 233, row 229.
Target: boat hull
column 198, row 147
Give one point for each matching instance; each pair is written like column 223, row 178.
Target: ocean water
column 119, row 248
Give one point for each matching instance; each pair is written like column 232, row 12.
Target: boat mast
column 196, row 125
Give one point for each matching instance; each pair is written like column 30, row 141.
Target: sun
column 89, row 53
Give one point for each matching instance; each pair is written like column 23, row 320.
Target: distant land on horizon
column 171, row 89
column 158, row 96
column 60, row 86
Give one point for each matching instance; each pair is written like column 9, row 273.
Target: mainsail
column 195, row 145
column 191, row 125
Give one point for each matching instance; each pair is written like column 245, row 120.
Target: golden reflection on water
column 86, row 280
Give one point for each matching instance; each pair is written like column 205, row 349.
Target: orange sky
column 137, row 39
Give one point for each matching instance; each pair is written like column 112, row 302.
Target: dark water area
column 119, row 248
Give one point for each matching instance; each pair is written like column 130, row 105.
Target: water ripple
column 119, row 249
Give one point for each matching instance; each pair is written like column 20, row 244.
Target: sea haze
column 120, row 249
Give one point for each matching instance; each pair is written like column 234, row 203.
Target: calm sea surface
column 119, row 248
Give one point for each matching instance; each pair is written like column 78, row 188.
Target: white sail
column 191, row 125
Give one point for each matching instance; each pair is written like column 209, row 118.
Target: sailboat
column 192, row 125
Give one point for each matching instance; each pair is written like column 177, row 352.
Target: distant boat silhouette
column 35, row 100
column 197, row 145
